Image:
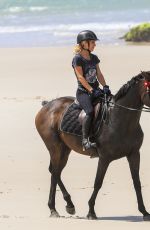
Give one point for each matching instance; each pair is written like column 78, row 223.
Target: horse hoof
column 70, row 210
column 146, row 217
column 92, row 216
column 54, row 214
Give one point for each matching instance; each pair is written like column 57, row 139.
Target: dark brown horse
column 121, row 137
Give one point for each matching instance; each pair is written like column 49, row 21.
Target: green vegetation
column 140, row 33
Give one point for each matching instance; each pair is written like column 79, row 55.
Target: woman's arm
column 100, row 76
column 79, row 74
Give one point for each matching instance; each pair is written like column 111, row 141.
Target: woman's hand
column 106, row 90
column 97, row 93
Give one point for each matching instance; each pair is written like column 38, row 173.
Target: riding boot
column 85, row 133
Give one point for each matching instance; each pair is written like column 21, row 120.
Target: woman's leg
column 85, row 102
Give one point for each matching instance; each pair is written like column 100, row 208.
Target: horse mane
column 125, row 88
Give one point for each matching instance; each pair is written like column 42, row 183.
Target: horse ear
column 142, row 75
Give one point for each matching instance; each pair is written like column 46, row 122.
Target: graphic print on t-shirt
column 90, row 76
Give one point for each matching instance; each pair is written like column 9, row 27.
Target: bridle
column 147, row 85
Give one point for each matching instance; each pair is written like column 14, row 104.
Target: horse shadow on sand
column 110, row 218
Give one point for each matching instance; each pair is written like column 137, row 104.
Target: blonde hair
column 78, row 48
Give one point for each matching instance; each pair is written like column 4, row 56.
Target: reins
column 113, row 104
column 106, row 105
column 144, row 109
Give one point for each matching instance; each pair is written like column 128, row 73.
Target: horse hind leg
column 70, row 206
column 52, row 194
column 59, row 158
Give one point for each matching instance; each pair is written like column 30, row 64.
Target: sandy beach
column 29, row 75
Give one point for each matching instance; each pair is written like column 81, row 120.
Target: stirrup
column 87, row 144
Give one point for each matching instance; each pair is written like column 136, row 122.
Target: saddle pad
column 70, row 123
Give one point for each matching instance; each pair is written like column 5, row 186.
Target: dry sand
column 27, row 76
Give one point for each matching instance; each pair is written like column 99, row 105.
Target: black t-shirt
column 89, row 70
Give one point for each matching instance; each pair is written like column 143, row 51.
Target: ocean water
column 29, row 23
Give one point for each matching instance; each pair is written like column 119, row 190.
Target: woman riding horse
column 89, row 75
column 121, row 137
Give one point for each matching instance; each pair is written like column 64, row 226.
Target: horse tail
column 44, row 103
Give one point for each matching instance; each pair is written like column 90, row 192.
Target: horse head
column 145, row 88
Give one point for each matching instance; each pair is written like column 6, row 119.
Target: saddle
column 73, row 117
column 82, row 114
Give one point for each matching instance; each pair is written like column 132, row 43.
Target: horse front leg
column 101, row 170
column 134, row 163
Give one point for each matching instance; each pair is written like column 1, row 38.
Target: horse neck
column 130, row 100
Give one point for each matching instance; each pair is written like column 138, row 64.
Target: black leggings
column 85, row 101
